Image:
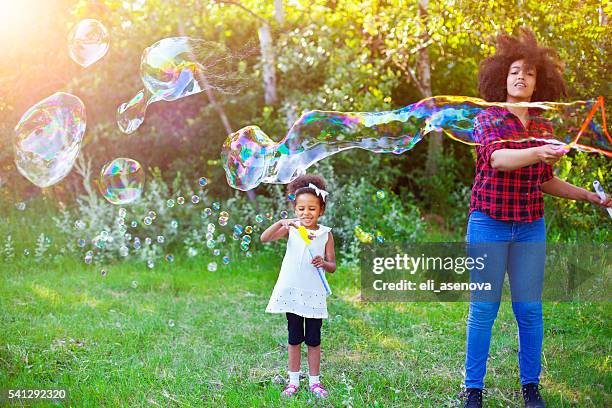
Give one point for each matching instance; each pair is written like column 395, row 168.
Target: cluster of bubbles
column 251, row 157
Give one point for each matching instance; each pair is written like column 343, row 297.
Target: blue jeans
column 520, row 249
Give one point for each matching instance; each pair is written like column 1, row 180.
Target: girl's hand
column 286, row 224
column 594, row 198
column 318, row 261
column 550, row 154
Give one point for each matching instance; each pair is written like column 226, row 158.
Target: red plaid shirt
column 514, row 195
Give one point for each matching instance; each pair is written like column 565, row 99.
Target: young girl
column 299, row 291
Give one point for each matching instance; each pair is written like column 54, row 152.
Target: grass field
column 184, row 336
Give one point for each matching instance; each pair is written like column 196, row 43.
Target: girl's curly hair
column 493, row 71
column 300, row 186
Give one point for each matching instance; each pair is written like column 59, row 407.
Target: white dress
column 299, row 289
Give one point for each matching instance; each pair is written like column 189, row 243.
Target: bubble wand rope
column 304, row 235
column 602, row 194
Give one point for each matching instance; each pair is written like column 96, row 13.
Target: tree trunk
column 279, row 11
column 434, row 143
column 269, row 70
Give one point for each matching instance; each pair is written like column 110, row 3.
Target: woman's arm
column 559, row 188
column 329, row 263
column 512, row 159
column 278, row 230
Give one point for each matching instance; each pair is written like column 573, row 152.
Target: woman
column 507, row 207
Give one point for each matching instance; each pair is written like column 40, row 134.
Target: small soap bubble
column 209, row 236
column 88, row 259
column 81, row 242
column 207, row 211
column 269, row 215
column 128, row 237
column 202, row 181
column 244, row 246
column 259, row 218
column 211, row 243
column 122, row 212
column 223, row 221
column 88, row 42
column 223, row 214
column 148, row 241
column 212, row 266
column 191, row 252
column 221, row 238
column 137, row 244
column 171, row 323
column 170, row 258
column 120, row 221
column 103, row 272
column 160, row 239
column 134, row 224
column 124, row 251
column 248, row 254
column 211, row 228
column 247, row 239
column 380, row 194
column 226, row 259
column 291, row 197
column 238, row 229
column 150, row 264
column 170, row 203
column 147, row 221
column 174, row 224
column 248, row 229
column 216, row 206
column 152, row 215
column 380, row 239
column 180, row 200
column 235, row 236
column 79, row 224
column 217, row 252
column 21, row 206
column 134, row 284
column 284, row 214
column 195, row 199
column 26, row 252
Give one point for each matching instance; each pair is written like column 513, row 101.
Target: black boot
column 532, row 397
column 473, row 398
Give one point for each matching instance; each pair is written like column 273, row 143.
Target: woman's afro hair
column 300, row 186
column 493, row 71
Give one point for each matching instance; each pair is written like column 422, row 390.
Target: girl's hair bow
column 318, row 191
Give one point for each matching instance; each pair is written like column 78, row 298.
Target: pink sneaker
column 289, row 391
column 318, row 390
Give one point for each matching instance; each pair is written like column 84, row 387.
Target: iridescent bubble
column 180, row 200
column 170, row 258
column 238, row 229
column 380, row 194
column 235, row 236
column 88, row 259
column 147, row 221
column 150, row 264
column 122, row 212
column 202, row 181
column 284, row 214
column 259, row 218
column 174, row 224
column 251, row 157
column 148, row 241
column 209, row 236
column 211, row 243
column 291, row 197
column 207, row 211
column 128, row 237
column 248, row 254
column 79, row 224
column 174, row 68
column 81, row 243
column 134, row 284
column 226, row 260
column 120, row 221
column 380, row 239
column 171, row 323
column 134, row 224
column 221, row 238
column 195, row 199
column 212, row 266
column 248, row 229
column 88, row 42
column 26, row 252
column 223, row 214
column 137, row 243
column 103, row 272
column 48, row 138
column 124, row 251
column 121, row 181
column 223, row 221
column 217, row 252
column 216, row 206
column 20, row 206
column 247, row 239
column 244, row 246
column 191, row 252
column 211, row 228
column 170, row 203
column 160, row 239
column 269, row 215
column 152, row 215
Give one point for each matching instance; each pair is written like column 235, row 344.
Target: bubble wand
column 602, row 194
column 304, row 235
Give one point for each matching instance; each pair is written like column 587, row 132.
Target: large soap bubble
column 48, row 138
column 121, row 181
column 251, row 157
column 87, row 42
column 177, row 67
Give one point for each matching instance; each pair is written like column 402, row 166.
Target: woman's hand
column 594, row 198
column 550, row 154
column 318, row 262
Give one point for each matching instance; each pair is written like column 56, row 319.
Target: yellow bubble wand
column 304, row 235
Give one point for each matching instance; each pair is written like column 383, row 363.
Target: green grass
column 108, row 344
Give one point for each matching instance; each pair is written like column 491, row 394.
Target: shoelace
column 473, row 395
column 531, row 392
